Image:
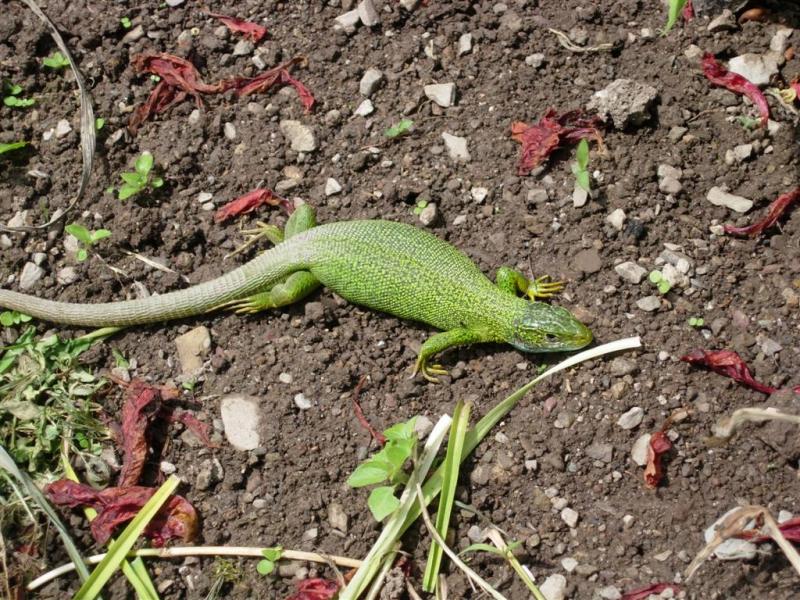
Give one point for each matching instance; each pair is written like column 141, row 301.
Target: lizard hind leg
column 302, row 219
column 295, row 287
column 513, row 282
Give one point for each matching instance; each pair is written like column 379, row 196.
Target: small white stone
column 639, row 450
column 301, row 402
column 243, row 48
column 443, row 94
column 632, row 418
column 31, row 273
column 240, row 420
column 569, row 564
column 167, row 468
column 422, row 427
column 554, row 587
column 669, row 185
column 63, row 128
column 616, row 219
column 693, row 52
column 67, row 275
column 579, row 197
column 204, row 197
column 456, row 147
column 365, row 108
column 742, row 152
column 134, row 34
column 464, row 44
column 192, row 348
column 535, row 60
column 631, row 272
column 720, row 197
column 230, row 131
column 479, row 194
column 429, row 214
column 300, row 136
column 780, row 41
column 367, row 13
column 649, row 303
column 332, row 187
column 348, row 20
column 370, row 82
column 758, row 68
column 723, row 22
column 284, row 377
column 609, row 592
column 194, row 117
column 569, row 516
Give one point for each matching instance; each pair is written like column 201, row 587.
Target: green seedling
column 86, row 238
column 155, row 78
column 140, row 179
column 420, row 206
column 386, row 466
column 11, row 96
column 99, row 123
column 580, row 166
column 400, row 128
column 267, row 564
column 657, row 278
column 125, row 22
column 9, row 318
column 119, row 359
column 12, row 146
column 673, row 12
column 55, row 61
column 748, row 123
column 696, row 322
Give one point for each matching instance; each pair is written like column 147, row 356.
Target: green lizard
column 386, row 266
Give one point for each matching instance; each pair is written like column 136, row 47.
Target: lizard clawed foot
column 429, row 372
column 543, row 288
column 249, row 305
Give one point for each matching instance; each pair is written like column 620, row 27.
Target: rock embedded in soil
column 616, row 219
column 649, row 303
column 300, row 137
column 631, row 272
column 332, row 187
column 364, row 109
column 348, row 21
column 554, row 587
column 639, row 450
column 720, row 197
column 240, row 421
column 570, row 517
column 758, row 68
column 209, row 473
column 243, row 48
column 609, row 592
column 370, row 82
column 62, row 128
column 443, row 94
column 301, row 402
column 535, row 60
column 587, row 261
column 723, row 22
column 625, row 102
column 337, row 518
column 193, row 346
column 456, row 147
column 66, row 276
column 631, row 418
column 367, row 13
column 599, row 451
column 464, row 44
column 429, row 215
column 31, row 274
column 579, row 197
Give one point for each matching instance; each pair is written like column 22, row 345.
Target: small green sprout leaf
column 99, row 123
column 13, row 89
column 12, row 146
column 79, row 232
column 580, row 166
column 401, row 127
column 14, row 102
column 420, row 206
column 125, row 22
column 696, row 321
column 127, row 190
column 81, row 255
column 748, row 123
column 9, row 318
column 119, row 359
column 271, row 555
column 144, row 163
column 657, row 278
column 141, row 178
column 55, row 61
column 382, row 502
column 673, row 12
column 369, row 473
column 86, row 238
column 157, row 182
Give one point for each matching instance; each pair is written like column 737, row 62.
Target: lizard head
column 542, row 327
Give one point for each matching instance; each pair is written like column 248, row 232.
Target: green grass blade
column 7, row 463
column 135, row 571
column 674, row 11
column 452, row 462
column 120, row 547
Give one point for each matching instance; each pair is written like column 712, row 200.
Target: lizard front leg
column 514, row 282
column 438, row 343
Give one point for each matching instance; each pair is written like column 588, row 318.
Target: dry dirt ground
column 562, row 446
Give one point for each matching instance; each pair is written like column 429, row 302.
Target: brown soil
column 745, row 290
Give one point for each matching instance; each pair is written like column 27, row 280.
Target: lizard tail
column 262, row 272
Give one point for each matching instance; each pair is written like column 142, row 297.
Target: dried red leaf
column 250, row 30
column 540, row 140
column 143, row 403
column 275, row 76
column 790, row 530
column 315, row 589
column 650, row 590
column 795, row 85
column 193, row 424
column 653, row 471
column 688, row 11
column 774, row 213
column 180, row 78
column 249, row 202
column 729, row 364
column 719, row 75
column 177, row 518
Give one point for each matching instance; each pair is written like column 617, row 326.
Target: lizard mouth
column 546, row 328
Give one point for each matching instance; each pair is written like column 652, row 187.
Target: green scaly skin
column 390, row 267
